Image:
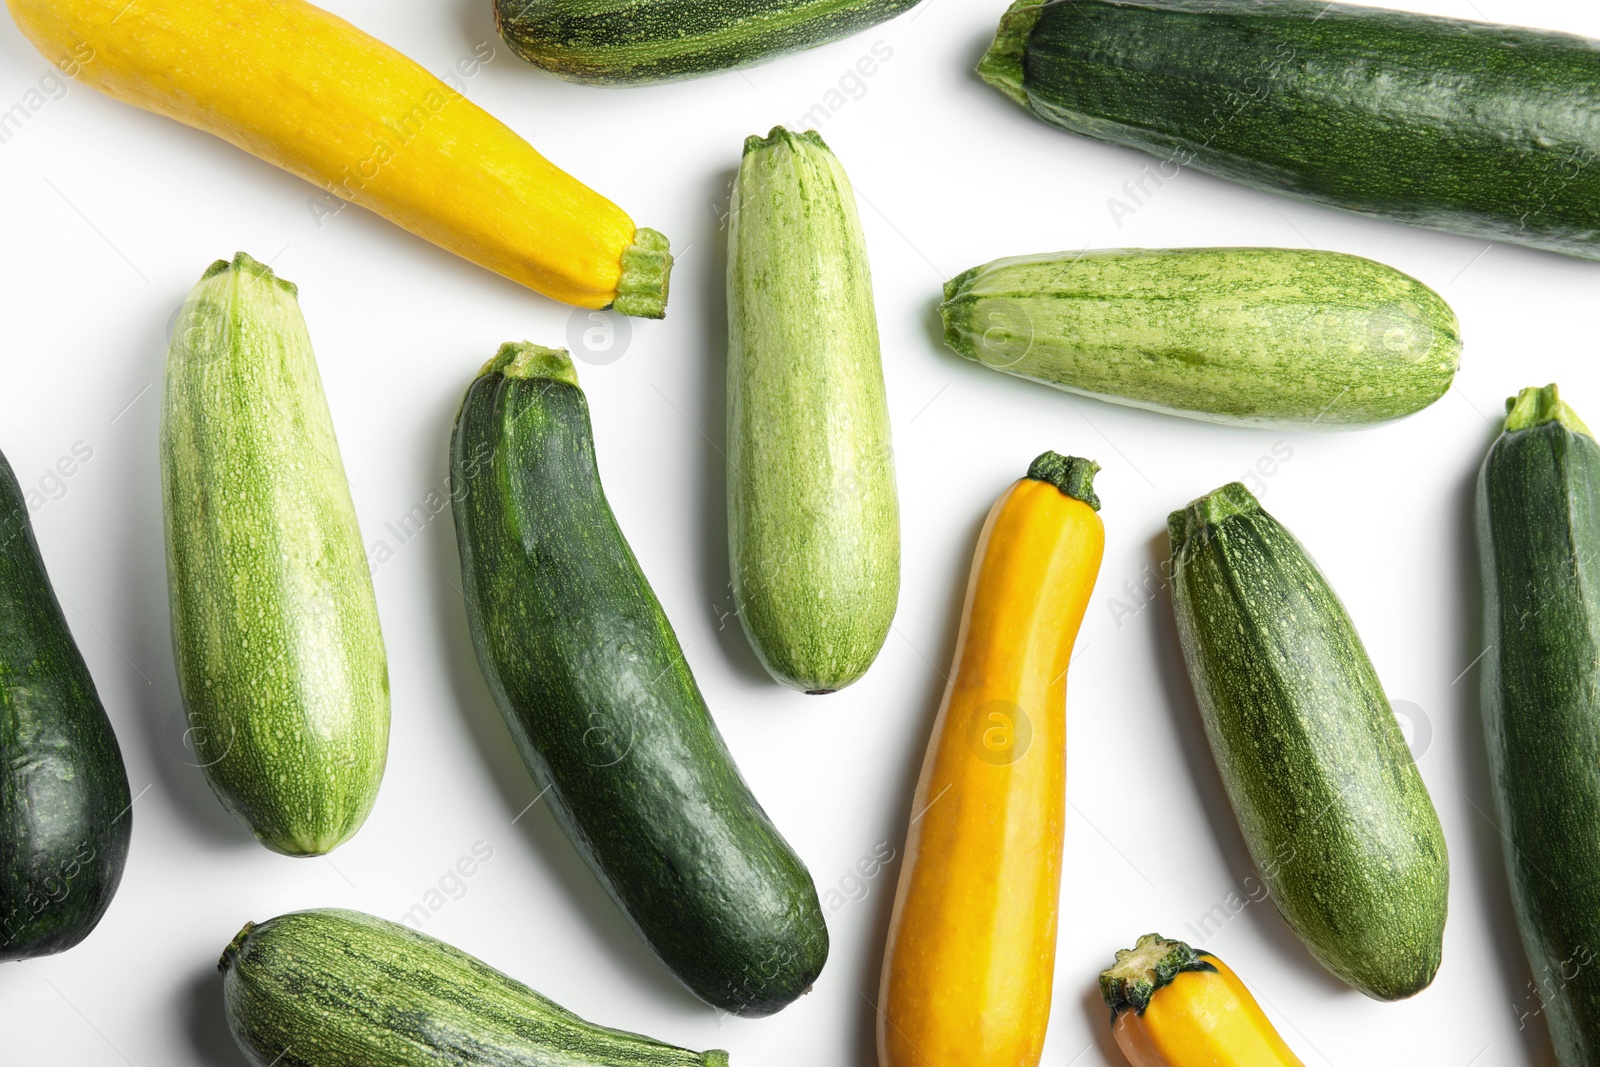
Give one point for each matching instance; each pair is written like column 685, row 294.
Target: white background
column 112, row 214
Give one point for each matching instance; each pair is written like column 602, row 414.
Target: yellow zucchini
column 972, row 941
column 1174, row 1007
column 308, row 92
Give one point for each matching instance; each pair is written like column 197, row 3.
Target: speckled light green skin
column 1460, row 126
column 1243, row 336
column 331, row 988
column 1538, row 529
column 813, row 519
column 274, row 623
column 1335, row 815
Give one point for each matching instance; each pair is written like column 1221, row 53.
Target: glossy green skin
column 331, row 988
column 1246, row 336
column 65, row 813
column 1538, row 522
column 274, row 623
column 813, row 517
column 1336, row 817
column 1489, row 131
column 619, row 42
column 591, row 680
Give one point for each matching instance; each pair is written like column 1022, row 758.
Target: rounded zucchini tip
column 716, row 1057
column 1073, row 475
column 524, row 359
column 1537, row 406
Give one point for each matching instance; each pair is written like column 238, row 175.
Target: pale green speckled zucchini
column 813, row 519
column 331, row 988
column 274, row 623
column 1248, row 336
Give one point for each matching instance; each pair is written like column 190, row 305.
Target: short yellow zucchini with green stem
column 274, row 623
column 813, row 519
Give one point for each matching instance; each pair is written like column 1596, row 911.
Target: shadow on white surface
column 205, row 1023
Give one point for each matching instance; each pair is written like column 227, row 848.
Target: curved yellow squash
column 971, row 953
column 1174, row 1007
column 308, row 92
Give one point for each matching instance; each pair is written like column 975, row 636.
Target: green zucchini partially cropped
column 332, row 988
column 813, row 518
column 65, row 816
column 584, row 666
column 1538, row 520
column 1335, row 814
column 1248, row 336
column 615, row 42
column 1467, row 127
column 274, row 623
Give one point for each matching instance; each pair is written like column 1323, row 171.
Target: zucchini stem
column 1210, row 510
column 1535, row 407
column 1073, row 475
column 1001, row 65
column 646, row 275
column 524, row 359
column 231, row 953
column 1153, row 962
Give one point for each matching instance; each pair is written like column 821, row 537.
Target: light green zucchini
column 332, row 988
column 274, row 624
column 1246, row 336
column 813, row 519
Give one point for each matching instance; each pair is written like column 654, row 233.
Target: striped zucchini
column 1538, row 520
column 1467, row 127
column 587, row 671
column 1335, row 815
column 65, row 814
column 331, row 988
column 1247, row 336
column 274, row 623
column 813, row 519
column 612, row 42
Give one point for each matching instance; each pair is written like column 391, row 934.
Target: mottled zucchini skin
column 1245, row 336
column 1335, row 814
column 622, row 42
column 65, row 814
column 274, row 623
column 1477, row 129
column 1538, row 526
column 332, row 988
column 588, row 673
column 813, row 514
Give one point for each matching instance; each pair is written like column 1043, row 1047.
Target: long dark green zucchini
column 612, row 42
column 331, row 988
column 1335, row 815
column 1472, row 128
column 1538, row 520
column 590, row 677
column 65, row 813
column 1249, row 336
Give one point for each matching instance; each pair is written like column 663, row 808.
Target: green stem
column 524, row 359
column 646, row 274
column 231, row 953
column 1001, row 65
column 1536, row 407
column 1141, row 970
column 1224, row 503
column 1073, row 475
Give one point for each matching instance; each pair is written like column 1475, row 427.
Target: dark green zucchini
column 589, row 675
column 636, row 41
column 331, row 988
column 65, row 811
column 1538, row 520
column 1335, row 815
column 1472, row 128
